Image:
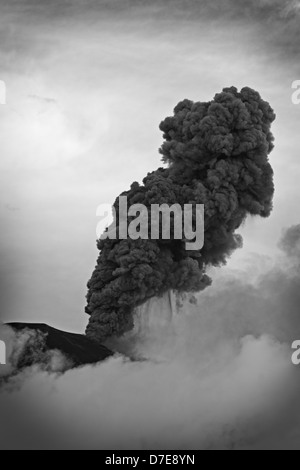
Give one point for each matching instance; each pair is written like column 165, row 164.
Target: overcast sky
column 88, row 83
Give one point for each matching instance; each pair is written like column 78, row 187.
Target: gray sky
column 88, row 83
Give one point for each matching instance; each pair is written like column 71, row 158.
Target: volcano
column 77, row 348
column 217, row 156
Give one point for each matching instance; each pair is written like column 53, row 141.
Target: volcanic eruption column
column 217, row 155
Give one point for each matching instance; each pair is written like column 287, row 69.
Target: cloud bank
column 216, row 375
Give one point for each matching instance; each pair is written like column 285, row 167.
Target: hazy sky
column 88, row 83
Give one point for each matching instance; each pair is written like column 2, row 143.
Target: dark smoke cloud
column 217, row 154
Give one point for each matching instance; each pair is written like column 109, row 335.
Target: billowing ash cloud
column 217, row 155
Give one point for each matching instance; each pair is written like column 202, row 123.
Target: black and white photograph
column 150, row 229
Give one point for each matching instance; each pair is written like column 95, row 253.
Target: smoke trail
column 217, row 155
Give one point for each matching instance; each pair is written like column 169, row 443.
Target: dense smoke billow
column 217, row 155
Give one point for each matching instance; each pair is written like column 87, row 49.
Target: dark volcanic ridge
column 78, row 349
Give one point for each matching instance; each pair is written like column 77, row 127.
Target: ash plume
column 217, row 155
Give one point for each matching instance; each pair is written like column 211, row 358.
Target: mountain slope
column 78, row 348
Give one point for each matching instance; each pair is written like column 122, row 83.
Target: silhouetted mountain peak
column 79, row 349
